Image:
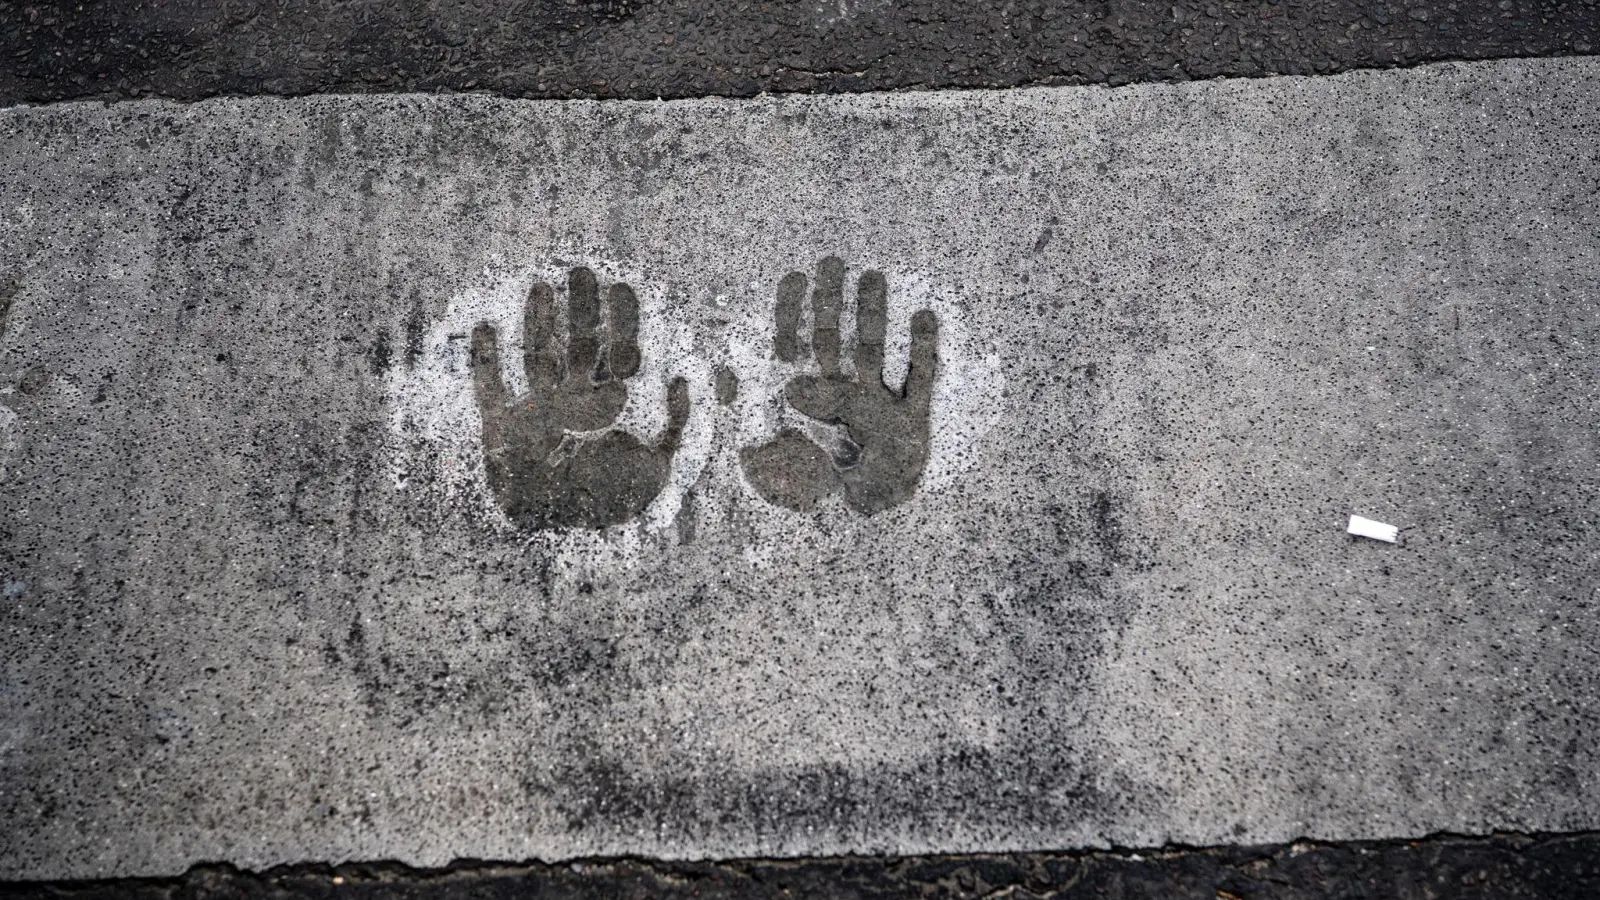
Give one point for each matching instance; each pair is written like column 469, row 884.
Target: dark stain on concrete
column 8, row 295
column 34, row 380
column 727, row 386
column 1044, row 240
column 684, row 521
column 602, row 794
column 416, row 329
column 382, row 353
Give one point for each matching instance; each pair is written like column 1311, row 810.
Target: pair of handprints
column 555, row 460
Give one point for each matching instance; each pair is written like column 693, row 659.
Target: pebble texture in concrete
column 263, row 604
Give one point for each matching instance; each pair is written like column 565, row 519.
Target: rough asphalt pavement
column 1502, row 867
column 642, row 50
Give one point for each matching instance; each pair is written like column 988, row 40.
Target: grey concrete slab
column 1083, row 582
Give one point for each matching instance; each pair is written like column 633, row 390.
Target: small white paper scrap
column 1378, row 531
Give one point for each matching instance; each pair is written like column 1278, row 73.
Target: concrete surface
column 262, row 604
column 644, row 49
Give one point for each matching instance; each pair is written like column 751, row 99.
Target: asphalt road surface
column 190, row 49
column 1504, row 867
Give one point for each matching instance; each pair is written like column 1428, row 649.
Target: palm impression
column 552, row 457
column 884, row 443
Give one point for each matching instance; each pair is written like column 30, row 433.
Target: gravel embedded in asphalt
column 192, row 49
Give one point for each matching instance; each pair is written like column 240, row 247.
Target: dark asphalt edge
column 337, row 89
column 578, row 876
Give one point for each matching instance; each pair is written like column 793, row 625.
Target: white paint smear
column 684, row 332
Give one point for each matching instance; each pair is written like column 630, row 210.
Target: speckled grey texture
column 259, row 605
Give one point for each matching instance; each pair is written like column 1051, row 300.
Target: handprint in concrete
column 552, row 456
column 877, row 435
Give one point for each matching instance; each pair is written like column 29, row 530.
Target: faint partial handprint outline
column 878, row 459
column 552, row 457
